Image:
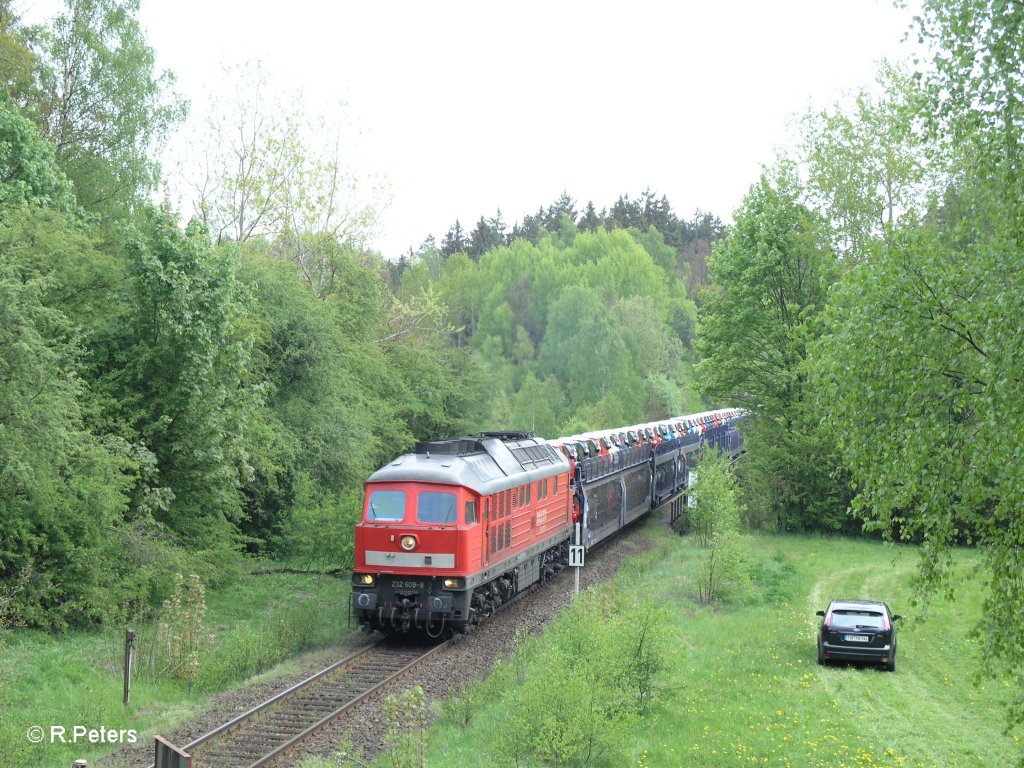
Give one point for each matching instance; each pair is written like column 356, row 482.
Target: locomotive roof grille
column 506, row 436
column 507, row 449
column 531, row 456
column 467, row 446
column 456, row 446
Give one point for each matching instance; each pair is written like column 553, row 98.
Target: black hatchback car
column 858, row 630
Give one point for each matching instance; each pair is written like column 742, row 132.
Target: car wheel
column 890, row 666
column 821, row 659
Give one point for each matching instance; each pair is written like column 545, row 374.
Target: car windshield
column 848, row 619
column 433, row 507
column 386, row 505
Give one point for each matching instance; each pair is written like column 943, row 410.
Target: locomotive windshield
column 386, row 505
column 433, row 507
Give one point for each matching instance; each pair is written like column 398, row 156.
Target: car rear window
column 850, row 619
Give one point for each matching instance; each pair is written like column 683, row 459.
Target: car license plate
column 856, row 638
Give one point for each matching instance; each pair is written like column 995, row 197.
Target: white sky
column 470, row 106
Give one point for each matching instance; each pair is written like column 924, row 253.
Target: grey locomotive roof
column 486, row 464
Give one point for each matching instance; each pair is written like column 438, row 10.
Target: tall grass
column 742, row 687
column 75, row 678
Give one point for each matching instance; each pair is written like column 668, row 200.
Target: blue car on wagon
column 858, row 630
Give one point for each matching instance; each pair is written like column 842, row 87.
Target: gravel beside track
column 442, row 676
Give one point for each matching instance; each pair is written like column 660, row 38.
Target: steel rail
column 298, row 738
column 248, row 714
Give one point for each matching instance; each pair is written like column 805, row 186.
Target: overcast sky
column 467, row 107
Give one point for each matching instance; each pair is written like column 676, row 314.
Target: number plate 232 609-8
column 407, row 585
column 856, row 638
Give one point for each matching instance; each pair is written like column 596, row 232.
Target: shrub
column 724, row 572
column 406, row 735
column 319, row 529
column 715, row 518
column 583, row 683
column 180, row 636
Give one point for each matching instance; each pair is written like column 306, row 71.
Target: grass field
column 76, row 678
column 743, row 687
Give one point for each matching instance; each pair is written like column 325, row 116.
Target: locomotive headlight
column 454, row 583
column 367, row 579
column 408, row 543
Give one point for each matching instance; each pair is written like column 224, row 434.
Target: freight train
column 454, row 530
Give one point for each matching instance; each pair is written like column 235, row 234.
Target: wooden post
column 129, row 640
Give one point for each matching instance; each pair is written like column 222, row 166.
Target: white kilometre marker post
column 576, row 554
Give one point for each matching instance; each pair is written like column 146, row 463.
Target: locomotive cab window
column 434, row 507
column 386, row 505
column 470, row 511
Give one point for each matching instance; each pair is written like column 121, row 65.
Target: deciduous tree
column 103, row 103
column 769, row 280
column 921, row 374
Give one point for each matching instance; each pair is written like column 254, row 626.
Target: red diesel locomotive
column 451, row 532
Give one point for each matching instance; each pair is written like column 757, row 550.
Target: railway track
column 267, row 731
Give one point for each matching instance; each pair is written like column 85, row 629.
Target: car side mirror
column 897, row 617
column 819, row 613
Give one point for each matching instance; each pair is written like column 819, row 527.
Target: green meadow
column 76, row 678
column 742, row 687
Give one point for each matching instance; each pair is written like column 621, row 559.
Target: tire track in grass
column 820, row 597
column 890, row 708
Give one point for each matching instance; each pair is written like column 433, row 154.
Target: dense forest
column 176, row 393
column 182, row 390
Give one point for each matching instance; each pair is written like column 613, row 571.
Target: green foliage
column 714, row 520
column 714, row 500
column 29, row 174
column 79, row 535
column 320, row 531
column 59, row 678
column 974, row 102
column 584, row 684
column 725, row 571
column 741, row 685
column 868, row 164
column 592, row 313
column 929, row 379
column 587, row 369
column 406, row 734
column 262, row 173
column 102, row 103
column 318, row 419
column 769, row 282
column 920, row 375
column 182, row 380
column 461, row 709
column 16, row 61
column 61, row 489
column 180, row 634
